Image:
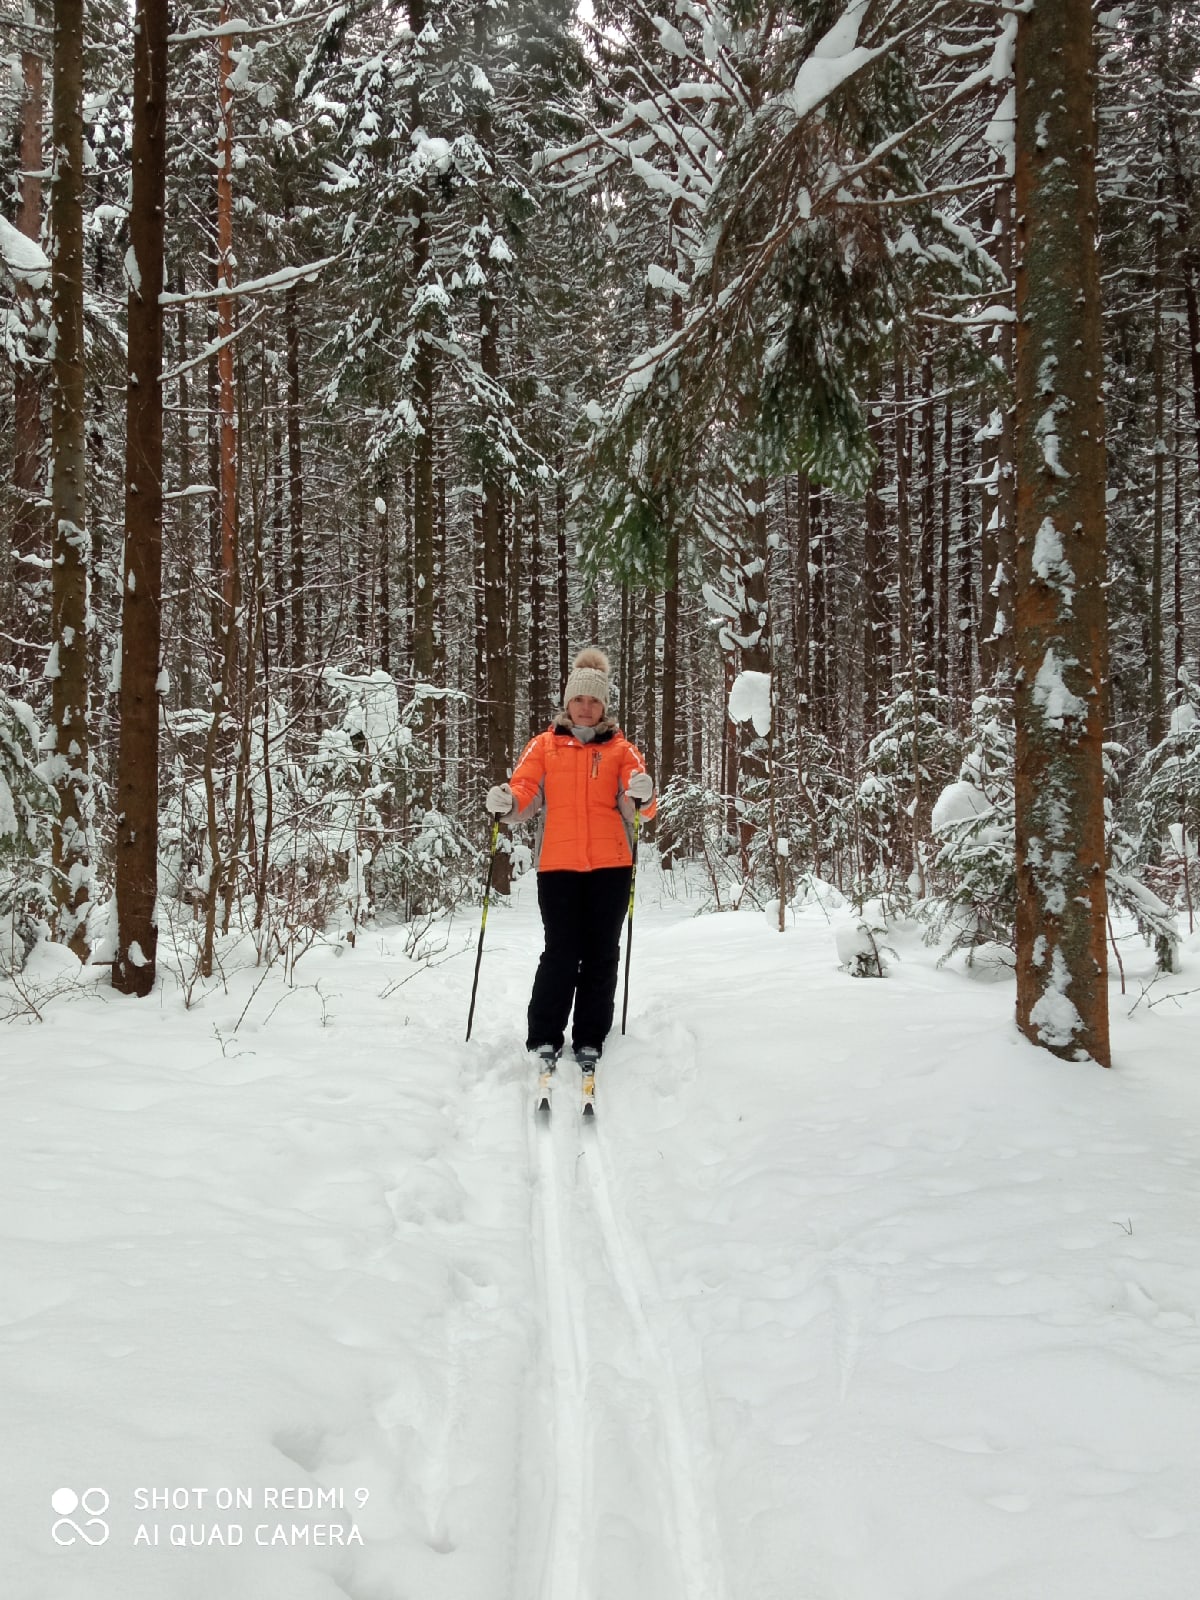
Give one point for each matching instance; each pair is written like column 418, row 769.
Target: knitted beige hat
column 588, row 676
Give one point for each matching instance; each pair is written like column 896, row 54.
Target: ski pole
column 637, row 823
column 487, row 892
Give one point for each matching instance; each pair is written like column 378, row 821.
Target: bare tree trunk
column 943, row 617
column 667, row 759
column 68, row 666
column 1061, row 640
column 876, row 611
column 226, row 311
column 926, row 622
column 384, row 622
column 561, row 587
column 498, row 702
column 297, row 658
column 29, row 530
column 1158, row 699
column 223, row 706
column 1177, row 524
column 903, row 513
column 136, row 856
column 996, row 577
column 966, row 578
column 820, row 611
column 649, row 737
column 539, row 691
column 190, row 571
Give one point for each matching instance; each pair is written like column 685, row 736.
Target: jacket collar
column 605, row 728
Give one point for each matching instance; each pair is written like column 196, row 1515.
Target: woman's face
column 585, row 711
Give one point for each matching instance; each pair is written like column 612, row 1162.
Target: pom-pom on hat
column 588, row 676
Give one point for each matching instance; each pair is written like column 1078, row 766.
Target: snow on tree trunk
column 68, row 662
column 1061, row 643
column 133, row 969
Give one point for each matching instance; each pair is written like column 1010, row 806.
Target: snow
column 1050, row 562
column 8, row 811
column 958, row 802
column 835, row 57
column 24, row 258
column 1051, row 695
column 851, row 1291
column 750, row 700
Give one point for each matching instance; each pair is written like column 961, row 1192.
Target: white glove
column 499, row 800
column 641, row 787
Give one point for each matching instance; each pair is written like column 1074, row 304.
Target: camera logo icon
column 91, row 1528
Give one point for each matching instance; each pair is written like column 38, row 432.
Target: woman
column 582, row 779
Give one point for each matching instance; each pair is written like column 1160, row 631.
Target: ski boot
column 547, row 1059
column 587, row 1056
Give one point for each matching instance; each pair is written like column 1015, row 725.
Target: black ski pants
column 582, row 913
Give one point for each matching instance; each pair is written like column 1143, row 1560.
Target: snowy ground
column 849, row 1295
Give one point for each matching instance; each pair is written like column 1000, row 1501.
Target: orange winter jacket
column 578, row 793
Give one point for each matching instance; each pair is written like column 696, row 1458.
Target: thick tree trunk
column 1061, row 634
column 29, row 522
column 134, row 964
column 68, row 666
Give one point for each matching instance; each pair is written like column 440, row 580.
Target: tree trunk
column 819, row 625
column 944, row 544
column 29, row 529
column 136, row 862
column 903, row 514
column 297, row 658
column 560, row 545
column 965, row 630
column 996, row 580
column 876, row 611
column 670, row 688
column 539, row 690
column 925, row 603
column 499, row 710
column 1158, row 699
column 1061, row 634
column 384, row 621
column 68, row 666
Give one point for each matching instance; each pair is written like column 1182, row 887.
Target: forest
column 835, row 365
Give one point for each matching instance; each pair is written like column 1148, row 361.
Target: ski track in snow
column 621, row 1440
column 566, row 1353
column 700, row 1576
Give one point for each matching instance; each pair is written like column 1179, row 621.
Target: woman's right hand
column 499, row 800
